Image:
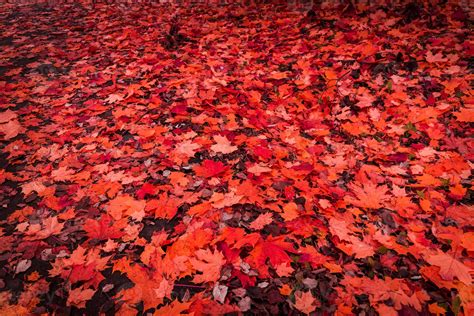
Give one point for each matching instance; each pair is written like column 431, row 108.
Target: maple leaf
column 450, row 267
column 209, row 263
column 83, row 272
column 7, row 116
column 174, row 308
column 165, row 207
column 436, row 309
column 284, row 269
column 258, row 169
column 220, row 200
column 339, row 229
column 164, row 289
column 210, row 168
column 263, row 152
column 146, row 189
column 78, row 297
column 290, row 211
column 353, row 246
column 102, row 229
column 124, row 204
column 285, row 290
column 324, row 203
column 223, row 145
column 273, row 249
column 369, row 195
column 255, row 96
column 29, row 187
column 22, row 266
column 278, row 75
column 62, row 174
column 78, row 256
column 10, row 129
column 465, row 115
column 146, row 132
column 435, row 58
column 50, row 226
column 467, row 241
column 262, row 220
column 150, row 288
column 305, row 302
column 206, row 306
column 386, row 310
column 357, row 248
column 113, row 98
column 82, row 265
column 380, row 290
column 365, row 100
column 187, row 148
column 219, row 292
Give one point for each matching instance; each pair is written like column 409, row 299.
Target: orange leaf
column 78, row 297
column 290, row 211
column 369, row 195
column 450, row 267
column 164, row 207
column 124, row 204
column 174, row 308
column 209, row 263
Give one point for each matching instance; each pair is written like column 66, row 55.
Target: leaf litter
column 195, row 159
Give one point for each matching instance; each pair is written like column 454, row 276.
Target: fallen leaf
column 219, row 292
column 223, row 145
column 305, row 302
column 209, row 263
column 450, row 267
column 261, row 221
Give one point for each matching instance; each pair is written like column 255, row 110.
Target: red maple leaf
column 102, row 229
column 146, row 188
column 210, row 168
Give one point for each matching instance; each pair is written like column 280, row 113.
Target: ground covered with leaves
column 207, row 159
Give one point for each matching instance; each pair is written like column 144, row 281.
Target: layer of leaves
column 210, row 159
